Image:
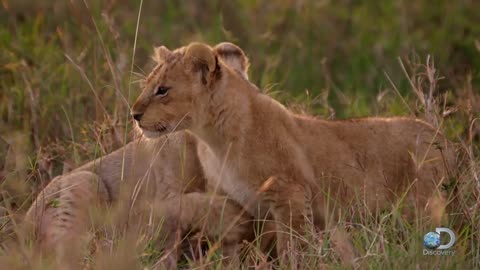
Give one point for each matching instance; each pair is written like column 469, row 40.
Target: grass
column 66, row 82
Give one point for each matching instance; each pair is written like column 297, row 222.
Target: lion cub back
column 380, row 157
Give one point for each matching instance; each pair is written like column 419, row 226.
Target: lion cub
column 165, row 172
column 295, row 167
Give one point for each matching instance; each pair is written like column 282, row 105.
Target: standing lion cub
column 295, row 167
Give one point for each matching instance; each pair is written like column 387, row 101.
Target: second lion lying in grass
column 296, row 167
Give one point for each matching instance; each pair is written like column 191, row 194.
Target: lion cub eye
column 162, row 91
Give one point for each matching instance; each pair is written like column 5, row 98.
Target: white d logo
column 452, row 237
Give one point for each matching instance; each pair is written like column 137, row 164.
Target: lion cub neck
column 226, row 112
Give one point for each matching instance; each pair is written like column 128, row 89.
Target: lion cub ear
column 161, row 54
column 233, row 56
column 202, row 55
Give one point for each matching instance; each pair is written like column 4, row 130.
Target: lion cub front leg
column 213, row 216
column 289, row 204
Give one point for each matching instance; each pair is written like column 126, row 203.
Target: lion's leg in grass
column 59, row 217
column 215, row 217
column 431, row 204
column 434, row 178
column 290, row 204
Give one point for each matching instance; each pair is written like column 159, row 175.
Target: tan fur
column 233, row 57
column 198, row 52
column 305, row 167
column 163, row 172
column 53, row 216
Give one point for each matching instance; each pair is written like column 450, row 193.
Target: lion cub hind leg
column 59, row 216
column 290, row 205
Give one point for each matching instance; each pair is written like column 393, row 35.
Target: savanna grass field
column 69, row 70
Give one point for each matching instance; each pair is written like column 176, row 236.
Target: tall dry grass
column 67, row 73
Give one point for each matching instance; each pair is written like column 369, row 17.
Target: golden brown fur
column 303, row 166
column 164, row 173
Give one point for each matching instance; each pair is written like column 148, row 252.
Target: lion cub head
column 179, row 78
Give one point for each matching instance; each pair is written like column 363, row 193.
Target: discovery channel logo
column 433, row 242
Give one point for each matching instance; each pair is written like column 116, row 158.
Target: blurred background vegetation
column 66, row 81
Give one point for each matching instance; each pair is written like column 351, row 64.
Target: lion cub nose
column 137, row 116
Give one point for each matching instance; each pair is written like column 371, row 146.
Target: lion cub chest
column 227, row 178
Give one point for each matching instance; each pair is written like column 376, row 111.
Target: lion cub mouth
column 159, row 131
column 152, row 134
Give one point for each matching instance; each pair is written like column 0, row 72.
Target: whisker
column 140, row 81
column 141, row 75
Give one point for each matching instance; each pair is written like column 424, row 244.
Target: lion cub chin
column 298, row 168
